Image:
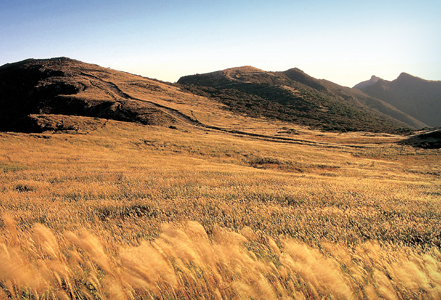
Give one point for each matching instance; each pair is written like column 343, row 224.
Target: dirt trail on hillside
column 171, row 111
column 190, row 121
column 120, row 93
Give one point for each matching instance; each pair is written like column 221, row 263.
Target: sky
column 342, row 41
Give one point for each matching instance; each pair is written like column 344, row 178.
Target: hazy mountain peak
column 415, row 96
column 404, row 75
column 364, row 84
column 407, row 77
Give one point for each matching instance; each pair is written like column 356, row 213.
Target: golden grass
column 134, row 212
column 185, row 262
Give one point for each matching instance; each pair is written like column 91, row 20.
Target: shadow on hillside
column 426, row 140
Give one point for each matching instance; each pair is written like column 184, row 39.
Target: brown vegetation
column 204, row 203
column 126, row 211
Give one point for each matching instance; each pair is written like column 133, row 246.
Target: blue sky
column 342, row 41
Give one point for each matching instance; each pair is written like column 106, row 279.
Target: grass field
column 127, row 211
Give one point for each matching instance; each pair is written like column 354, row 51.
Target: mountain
column 414, row 96
column 364, row 84
column 34, row 91
column 294, row 96
column 60, row 93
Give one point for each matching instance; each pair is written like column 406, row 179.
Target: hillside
column 430, row 139
column 296, row 97
column 128, row 211
column 65, row 86
column 414, row 96
column 32, row 90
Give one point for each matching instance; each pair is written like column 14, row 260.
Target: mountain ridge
column 301, row 93
column 32, row 89
column 367, row 83
column 413, row 95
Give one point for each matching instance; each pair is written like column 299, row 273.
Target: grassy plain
column 127, row 211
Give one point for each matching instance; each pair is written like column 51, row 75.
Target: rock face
column 414, row 96
column 63, row 86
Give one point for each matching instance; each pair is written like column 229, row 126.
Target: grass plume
column 192, row 215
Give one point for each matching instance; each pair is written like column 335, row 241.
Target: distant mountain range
column 414, row 96
column 33, row 90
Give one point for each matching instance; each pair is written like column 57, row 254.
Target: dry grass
column 185, row 262
column 134, row 212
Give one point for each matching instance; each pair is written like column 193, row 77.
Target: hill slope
column 416, row 97
column 296, row 97
column 31, row 89
column 36, row 94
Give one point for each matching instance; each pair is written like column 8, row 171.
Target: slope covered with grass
column 127, row 211
column 294, row 96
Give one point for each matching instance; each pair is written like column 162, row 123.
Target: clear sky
column 342, row 41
